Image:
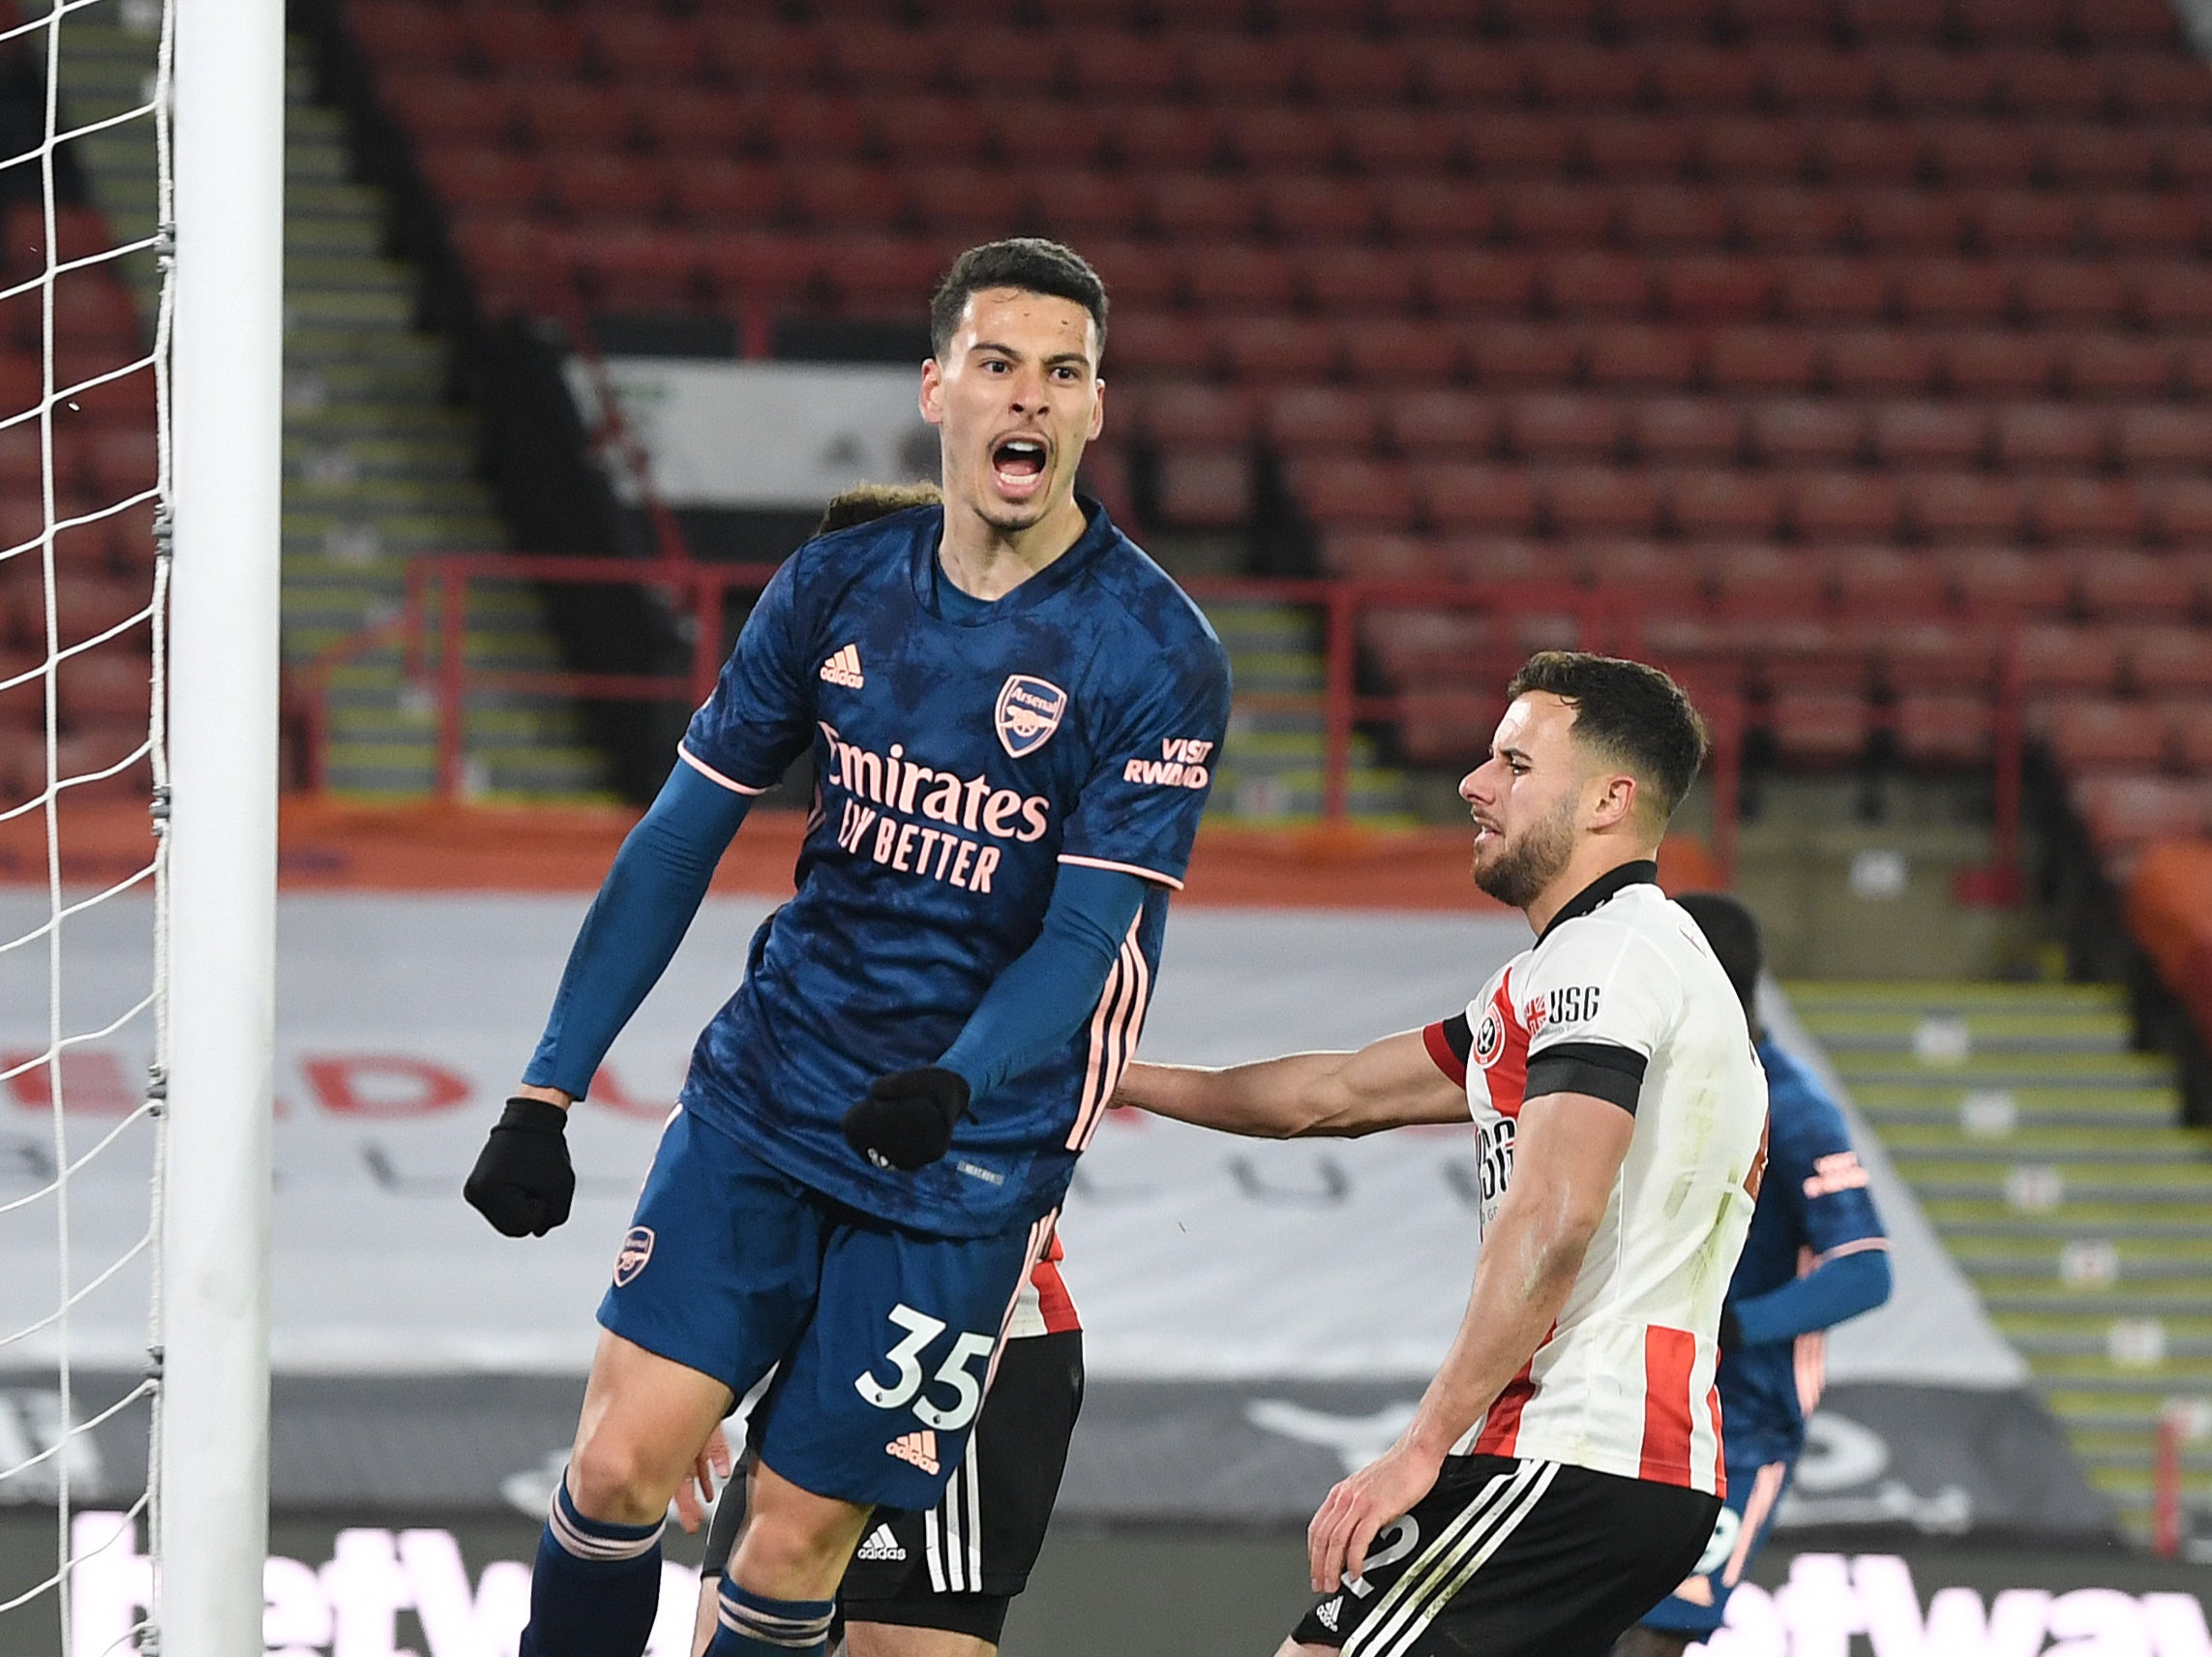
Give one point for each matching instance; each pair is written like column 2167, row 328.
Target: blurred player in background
column 1564, row 1468
column 1815, row 1257
column 939, row 1583
column 1014, row 716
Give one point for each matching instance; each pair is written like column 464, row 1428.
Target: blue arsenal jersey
column 1814, row 1205
column 1076, row 720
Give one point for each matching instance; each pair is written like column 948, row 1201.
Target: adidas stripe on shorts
column 1507, row 1557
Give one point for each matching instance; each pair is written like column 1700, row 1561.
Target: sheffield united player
column 1563, row 1469
column 1817, row 1256
column 877, row 1127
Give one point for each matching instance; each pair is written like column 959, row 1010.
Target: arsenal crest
column 1028, row 713
column 637, row 1249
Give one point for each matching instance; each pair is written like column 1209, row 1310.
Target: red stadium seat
column 1693, row 429
column 1561, row 425
column 1160, row 342
column 927, row 130
column 522, row 38
column 1763, row 359
column 2122, row 814
column 1869, row 152
column 1876, row 583
column 2090, row 734
column 597, row 184
column 1201, row 204
column 1304, row 210
column 2170, row 660
column 1705, row 79
column 1443, row 210
column 1270, row 139
column 572, row 114
column 1962, row 505
column 2125, row 585
column 2072, row 293
column 2039, row 85
column 1724, row 505
column 2090, row 511
column 470, row 178
column 404, row 32
column 1791, row 220
column 2058, row 658
column 2163, row 87
column 1637, row 149
column 1603, row 501
column 1549, row 19
column 1308, row 419
column 2051, row 437
column 1587, row 78
column 1594, row 284
column 1505, row 145
column 1752, row 149
column 651, row 46
column 1940, row 729
column 1908, row 220
column 1717, row 289
column 1967, row 154
column 1894, row 22
column 1397, row 142
column 984, row 202
column 2189, row 726
column 440, row 105
column 1346, row 70
column 1193, row 412
column 1754, row 582
column 2009, row 222
column 1558, row 215
column 1676, row 215
column 1999, row 583
column 2017, row 364
column 1384, row 557
column 2137, row 223
column 1497, row 561
column 1643, row 577
column 1949, row 291
column 1819, row 81
column 1345, row 493
column 1205, row 489
column 1923, row 437
column 1105, row 65
column 1632, row 358
column 1239, row 68
column 2162, row 438
column 1165, row 137
column 2173, row 298
column 1275, row 348
column 1465, row 282
column 751, row 49
column 1845, row 507
column 2015, row 22
column 1926, row 81
column 693, row 120
column 1237, row 277
column 810, row 130
column 1138, row 274
column 1351, row 281
column 1468, row 496
column 2107, row 158
column 1511, row 354
column 1830, row 290
column 1879, row 361
column 1448, row 423
column 2135, row 24
column 122, row 460
column 1819, row 727
column 2114, row 367
column 1394, row 351
column 1050, row 132
column 1464, row 74
column 2182, row 507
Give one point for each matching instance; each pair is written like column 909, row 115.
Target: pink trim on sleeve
column 1168, row 881
column 1859, row 1245
column 711, row 774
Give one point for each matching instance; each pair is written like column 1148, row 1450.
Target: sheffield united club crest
column 1028, row 713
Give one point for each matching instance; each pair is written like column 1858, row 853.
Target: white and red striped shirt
column 1622, row 998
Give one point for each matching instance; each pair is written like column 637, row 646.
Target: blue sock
column 595, row 1587
column 753, row 1625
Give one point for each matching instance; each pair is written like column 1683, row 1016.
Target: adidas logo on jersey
column 882, row 1545
column 919, row 1448
column 1331, row 1613
column 844, row 668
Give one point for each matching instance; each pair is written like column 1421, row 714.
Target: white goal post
column 226, row 420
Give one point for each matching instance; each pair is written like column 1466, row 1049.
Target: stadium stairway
column 2049, row 1156
column 1273, row 767
column 378, row 467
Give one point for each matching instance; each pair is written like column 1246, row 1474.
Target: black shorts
column 958, row 1566
column 1505, row 1557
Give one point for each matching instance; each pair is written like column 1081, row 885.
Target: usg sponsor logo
column 636, row 1248
column 1028, row 713
column 1829, row 1599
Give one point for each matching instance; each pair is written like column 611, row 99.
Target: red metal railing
column 701, row 589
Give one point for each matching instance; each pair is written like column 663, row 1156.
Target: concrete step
column 354, row 309
column 1275, row 670
column 1809, row 996
column 2025, row 1031
column 2134, row 1218
column 413, row 371
column 2181, row 1297
column 319, row 199
column 2063, row 1144
column 343, row 272
column 342, row 458
column 462, row 496
column 2090, row 1179
column 2011, row 1070
column 2097, row 1110
column 2001, row 1259
column 399, row 529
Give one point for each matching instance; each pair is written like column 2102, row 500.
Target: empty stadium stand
column 1888, row 312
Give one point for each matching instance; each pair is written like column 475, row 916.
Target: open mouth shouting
column 1018, row 466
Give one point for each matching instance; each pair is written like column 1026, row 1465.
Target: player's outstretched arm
column 1391, row 1083
column 1568, row 1152
column 523, row 1182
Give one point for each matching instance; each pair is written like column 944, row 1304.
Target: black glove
column 521, row 1182
column 1731, row 1332
column 907, row 1120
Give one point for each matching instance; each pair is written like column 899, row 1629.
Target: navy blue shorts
column 1754, row 1493
column 885, row 1337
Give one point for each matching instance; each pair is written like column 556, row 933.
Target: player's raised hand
column 907, row 1118
column 1357, row 1509
column 523, row 1182
column 696, row 1495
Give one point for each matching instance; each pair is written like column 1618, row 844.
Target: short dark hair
column 865, row 502
column 1733, row 931
column 1629, row 711
column 1030, row 264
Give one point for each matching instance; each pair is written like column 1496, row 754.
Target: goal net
column 84, row 561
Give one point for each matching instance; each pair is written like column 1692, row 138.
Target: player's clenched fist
column 523, row 1182
column 907, row 1118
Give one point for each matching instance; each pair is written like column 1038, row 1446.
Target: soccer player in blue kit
column 1815, row 1255
column 1014, row 717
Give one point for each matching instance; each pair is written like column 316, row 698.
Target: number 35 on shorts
column 948, row 1399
